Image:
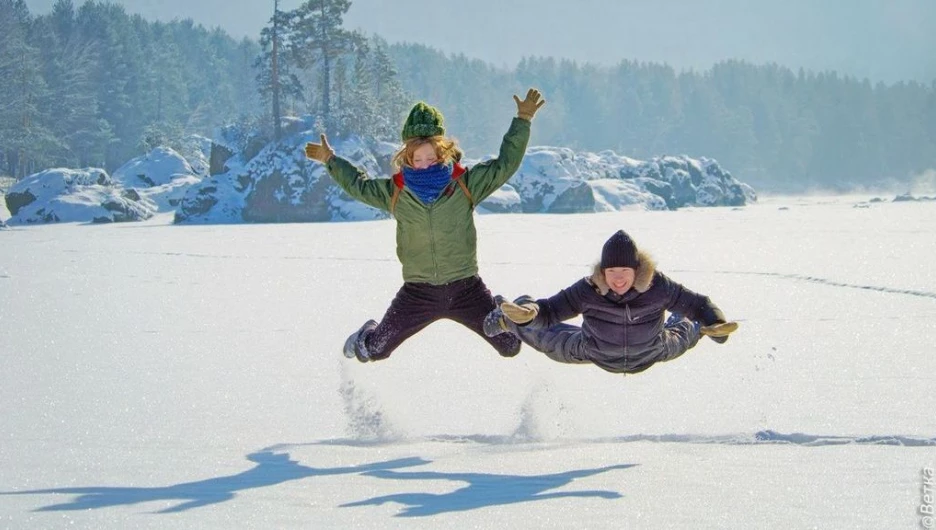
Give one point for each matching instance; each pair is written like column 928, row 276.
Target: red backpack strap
column 457, row 171
column 397, row 186
column 464, row 188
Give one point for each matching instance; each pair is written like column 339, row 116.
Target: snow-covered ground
column 163, row 376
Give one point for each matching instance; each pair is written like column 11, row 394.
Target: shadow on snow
column 483, row 490
column 272, row 468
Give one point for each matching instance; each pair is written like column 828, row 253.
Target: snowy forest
column 93, row 86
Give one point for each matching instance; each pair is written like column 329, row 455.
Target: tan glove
column 321, row 152
column 520, row 314
column 528, row 107
column 719, row 329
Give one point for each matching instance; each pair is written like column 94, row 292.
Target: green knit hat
column 423, row 120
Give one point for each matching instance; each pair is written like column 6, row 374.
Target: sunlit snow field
column 162, row 376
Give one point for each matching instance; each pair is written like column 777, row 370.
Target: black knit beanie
column 619, row 251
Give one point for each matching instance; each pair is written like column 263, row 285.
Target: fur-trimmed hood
column 643, row 276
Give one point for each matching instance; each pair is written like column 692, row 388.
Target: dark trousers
column 566, row 343
column 416, row 305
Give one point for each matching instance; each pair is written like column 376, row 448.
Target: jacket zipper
column 432, row 240
column 432, row 244
column 626, row 324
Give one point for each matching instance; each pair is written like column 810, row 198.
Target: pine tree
column 318, row 39
column 277, row 83
column 71, row 110
column 340, row 86
column 25, row 142
column 163, row 95
column 361, row 107
column 119, row 85
column 390, row 99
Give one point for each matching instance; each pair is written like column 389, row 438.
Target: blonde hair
column 446, row 150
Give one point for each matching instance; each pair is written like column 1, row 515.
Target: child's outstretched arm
column 485, row 178
column 373, row 192
column 698, row 307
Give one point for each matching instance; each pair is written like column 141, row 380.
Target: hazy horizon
column 886, row 42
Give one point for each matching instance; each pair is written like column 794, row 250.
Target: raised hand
column 528, row 107
column 321, row 152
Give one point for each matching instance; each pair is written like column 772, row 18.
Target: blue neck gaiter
column 427, row 183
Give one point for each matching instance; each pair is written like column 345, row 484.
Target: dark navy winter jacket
column 623, row 332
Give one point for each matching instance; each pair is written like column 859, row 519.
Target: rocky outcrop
column 280, row 184
column 162, row 176
column 75, row 195
column 558, row 180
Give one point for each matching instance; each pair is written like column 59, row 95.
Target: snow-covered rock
column 280, row 185
column 75, row 195
column 909, row 197
column 558, row 180
column 504, row 200
column 5, row 184
column 156, row 168
column 4, row 213
column 162, row 175
column 196, row 150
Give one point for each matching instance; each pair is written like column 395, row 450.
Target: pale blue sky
column 880, row 39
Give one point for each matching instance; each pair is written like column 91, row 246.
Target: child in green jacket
column 432, row 197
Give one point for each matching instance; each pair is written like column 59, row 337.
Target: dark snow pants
column 416, row 305
column 566, row 343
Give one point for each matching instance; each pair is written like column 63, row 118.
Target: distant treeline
column 95, row 86
column 768, row 125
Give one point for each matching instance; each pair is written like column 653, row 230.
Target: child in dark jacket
column 623, row 305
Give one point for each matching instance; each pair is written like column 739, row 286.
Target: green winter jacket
column 437, row 244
